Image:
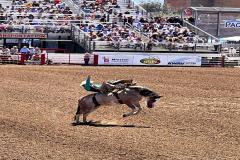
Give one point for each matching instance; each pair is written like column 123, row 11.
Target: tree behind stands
column 157, row 8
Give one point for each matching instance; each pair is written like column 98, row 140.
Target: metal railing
column 9, row 59
column 83, row 39
column 80, row 37
column 154, row 47
column 232, row 62
column 209, row 38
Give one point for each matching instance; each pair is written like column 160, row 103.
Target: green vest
column 88, row 84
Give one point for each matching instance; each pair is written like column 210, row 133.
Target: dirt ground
column 198, row 117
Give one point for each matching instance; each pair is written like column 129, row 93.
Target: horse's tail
column 151, row 95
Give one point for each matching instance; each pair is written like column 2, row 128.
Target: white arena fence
column 128, row 59
column 68, row 58
column 47, row 58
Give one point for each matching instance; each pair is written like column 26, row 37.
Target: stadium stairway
column 135, row 12
column 74, row 7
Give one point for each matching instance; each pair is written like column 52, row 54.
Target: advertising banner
column 149, row 60
column 20, row 35
column 184, row 60
column 115, row 59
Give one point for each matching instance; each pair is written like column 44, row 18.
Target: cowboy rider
column 118, row 84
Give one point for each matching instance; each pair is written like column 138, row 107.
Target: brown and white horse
column 130, row 96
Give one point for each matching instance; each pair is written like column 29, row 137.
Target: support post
column 95, row 60
column 69, row 58
column 43, row 58
column 23, row 58
column 223, row 61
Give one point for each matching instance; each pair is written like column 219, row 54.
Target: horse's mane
column 145, row 91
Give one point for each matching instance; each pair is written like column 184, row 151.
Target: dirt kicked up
column 198, row 117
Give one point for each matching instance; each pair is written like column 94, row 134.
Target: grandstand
column 128, row 27
column 43, row 24
column 86, row 25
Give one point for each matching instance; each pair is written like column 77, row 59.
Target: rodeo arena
column 105, row 79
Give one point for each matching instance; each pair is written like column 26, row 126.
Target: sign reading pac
column 232, row 24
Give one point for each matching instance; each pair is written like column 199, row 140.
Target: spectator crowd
column 100, row 20
column 31, row 53
column 165, row 32
column 37, row 16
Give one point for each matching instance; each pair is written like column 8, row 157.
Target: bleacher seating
column 118, row 24
column 143, row 31
column 37, row 16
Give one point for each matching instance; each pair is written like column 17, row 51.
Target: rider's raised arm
column 87, row 83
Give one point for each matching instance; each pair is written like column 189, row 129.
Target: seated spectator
column 138, row 43
column 57, row 1
column 6, row 50
column 14, row 50
column 129, row 6
column 35, row 4
column 38, row 51
column 31, row 52
column 150, row 45
column 1, row 50
column 25, row 51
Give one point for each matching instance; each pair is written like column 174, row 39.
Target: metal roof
column 215, row 9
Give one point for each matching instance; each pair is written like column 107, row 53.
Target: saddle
column 123, row 83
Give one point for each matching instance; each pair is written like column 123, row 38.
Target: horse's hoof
column 87, row 122
column 74, row 124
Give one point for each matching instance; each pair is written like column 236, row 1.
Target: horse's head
column 151, row 101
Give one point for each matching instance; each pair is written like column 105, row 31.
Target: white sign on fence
column 184, row 61
column 150, row 60
column 115, row 59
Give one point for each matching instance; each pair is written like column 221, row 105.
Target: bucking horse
column 130, row 96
